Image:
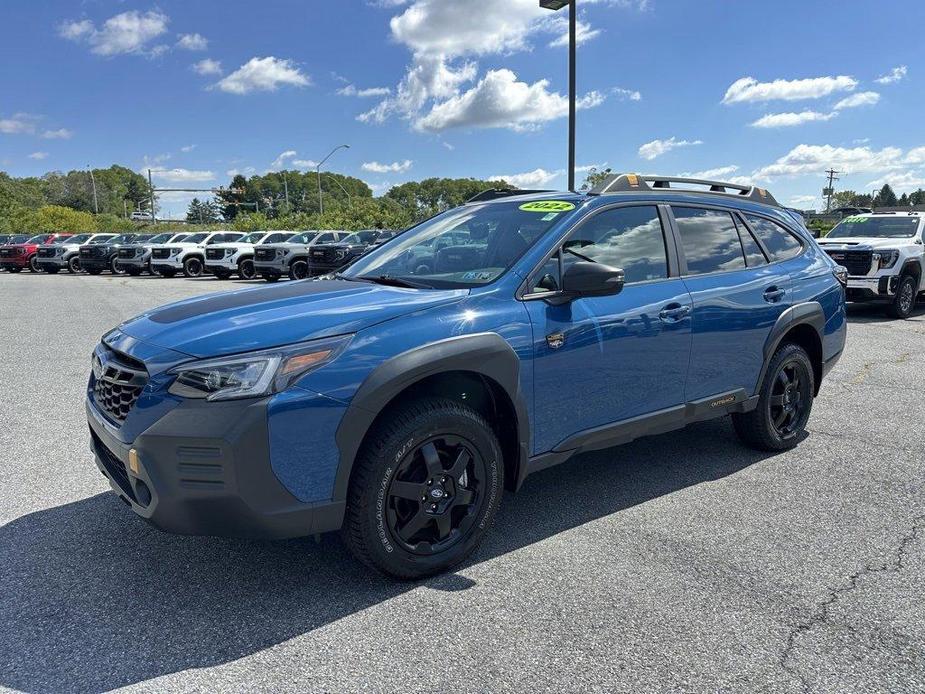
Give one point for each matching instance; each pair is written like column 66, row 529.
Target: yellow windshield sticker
column 547, row 206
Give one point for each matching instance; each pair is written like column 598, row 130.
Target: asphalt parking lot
column 678, row 563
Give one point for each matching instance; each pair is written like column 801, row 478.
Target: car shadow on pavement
column 876, row 313
column 94, row 599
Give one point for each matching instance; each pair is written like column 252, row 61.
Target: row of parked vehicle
column 223, row 254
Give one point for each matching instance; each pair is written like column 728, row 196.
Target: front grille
column 47, row 252
column 89, row 252
column 129, row 252
column 114, row 466
column 119, row 382
column 326, row 255
column 264, row 253
column 215, row 253
column 160, row 253
column 857, row 262
column 6, row 252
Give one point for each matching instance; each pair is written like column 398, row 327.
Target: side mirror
column 592, row 279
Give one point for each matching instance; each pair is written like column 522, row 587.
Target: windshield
column 885, row 227
column 466, row 247
column 305, row 237
column 123, row 238
column 253, row 238
column 195, row 238
column 176, row 239
column 38, row 239
column 18, row 238
column 277, row 238
column 101, row 239
column 79, row 239
column 160, row 238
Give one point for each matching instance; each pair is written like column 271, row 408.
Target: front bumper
column 227, row 264
column 55, row 261
column 139, row 262
column 273, row 268
column 94, row 264
column 204, row 469
column 872, row 288
column 169, row 263
column 21, row 261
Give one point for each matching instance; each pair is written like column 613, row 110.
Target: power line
column 830, row 190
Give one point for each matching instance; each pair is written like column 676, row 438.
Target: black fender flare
column 808, row 313
column 486, row 354
column 912, row 266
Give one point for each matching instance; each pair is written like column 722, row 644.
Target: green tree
column 885, row 197
column 430, row 196
column 56, row 218
column 918, row 197
column 595, row 178
column 904, row 200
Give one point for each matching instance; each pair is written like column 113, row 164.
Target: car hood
column 232, row 244
column 862, row 243
column 179, row 244
column 253, row 319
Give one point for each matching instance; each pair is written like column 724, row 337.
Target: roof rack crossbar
column 632, row 183
column 495, row 193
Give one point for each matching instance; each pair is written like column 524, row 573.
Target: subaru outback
column 396, row 403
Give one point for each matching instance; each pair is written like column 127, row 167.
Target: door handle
column 773, row 294
column 672, row 313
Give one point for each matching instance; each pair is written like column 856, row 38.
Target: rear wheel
column 904, row 301
column 246, row 269
column 425, row 489
column 192, row 267
column 784, row 403
column 33, row 264
column 73, row 264
column 298, row 270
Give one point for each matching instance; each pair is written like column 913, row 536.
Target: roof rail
column 619, row 183
column 495, row 193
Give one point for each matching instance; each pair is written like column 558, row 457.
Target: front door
column 599, row 360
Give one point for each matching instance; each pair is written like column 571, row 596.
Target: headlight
column 254, row 374
column 340, row 254
column 174, row 251
column 887, row 258
column 230, row 251
column 281, row 253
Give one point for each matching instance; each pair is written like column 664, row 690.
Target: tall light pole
column 96, row 202
column 572, row 32
column 318, row 170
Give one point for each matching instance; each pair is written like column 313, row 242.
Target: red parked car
column 18, row 256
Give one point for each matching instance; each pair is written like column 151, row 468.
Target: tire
column 246, row 269
column 298, row 270
column 34, row 264
column 904, row 301
column 192, row 267
column 387, row 526
column 271, row 278
column 784, row 403
column 73, row 264
column 49, row 270
column 114, row 267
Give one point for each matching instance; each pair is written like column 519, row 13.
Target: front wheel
column 425, row 488
column 246, row 269
column 115, row 268
column 904, row 301
column 298, row 270
column 784, row 403
column 73, row 265
column 33, row 264
column 192, row 267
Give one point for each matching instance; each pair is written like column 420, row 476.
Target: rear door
column 737, row 297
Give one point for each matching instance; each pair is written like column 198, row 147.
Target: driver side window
column 630, row 238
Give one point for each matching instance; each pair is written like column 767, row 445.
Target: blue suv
column 396, row 401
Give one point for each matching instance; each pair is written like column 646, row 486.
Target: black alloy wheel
column 192, row 267
column 298, row 270
column 246, row 269
column 436, row 494
column 788, row 400
column 34, row 264
column 114, row 266
column 73, row 264
column 904, row 302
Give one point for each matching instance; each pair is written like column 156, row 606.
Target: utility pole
column 318, row 170
column 830, row 190
column 572, row 35
column 96, row 202
column 151, row 186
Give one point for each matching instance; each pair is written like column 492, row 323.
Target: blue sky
column 772, row 93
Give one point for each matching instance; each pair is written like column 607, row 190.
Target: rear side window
column 781, row 244
column 753, row 254
column 709, row 239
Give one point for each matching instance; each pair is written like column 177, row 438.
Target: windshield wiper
column 390, row 281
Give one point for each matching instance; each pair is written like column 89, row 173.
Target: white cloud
column 263, row 74
column 915, row 156
column 900, row 181
column 656, row 148
column 304, row 163
column 59, row 134
column 207, row 66
column 583, row 33
column 181, row 175
column 802, row 200
column 500, row 101
column 246, row 171
column 188, row 148
column 351, row 90
column 716, row 173
column 789, row 120
column 748, row 89
column 528, row 179
column 814, row 159
column 193, row 42
column 280, row 161
column 18, row 124
column 128, row 32
column 859, row 99
column 394, row 167
column 894, row 75
column 627, row 94
column 39, row 155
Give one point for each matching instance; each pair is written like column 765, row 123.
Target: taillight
column 841, row 274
